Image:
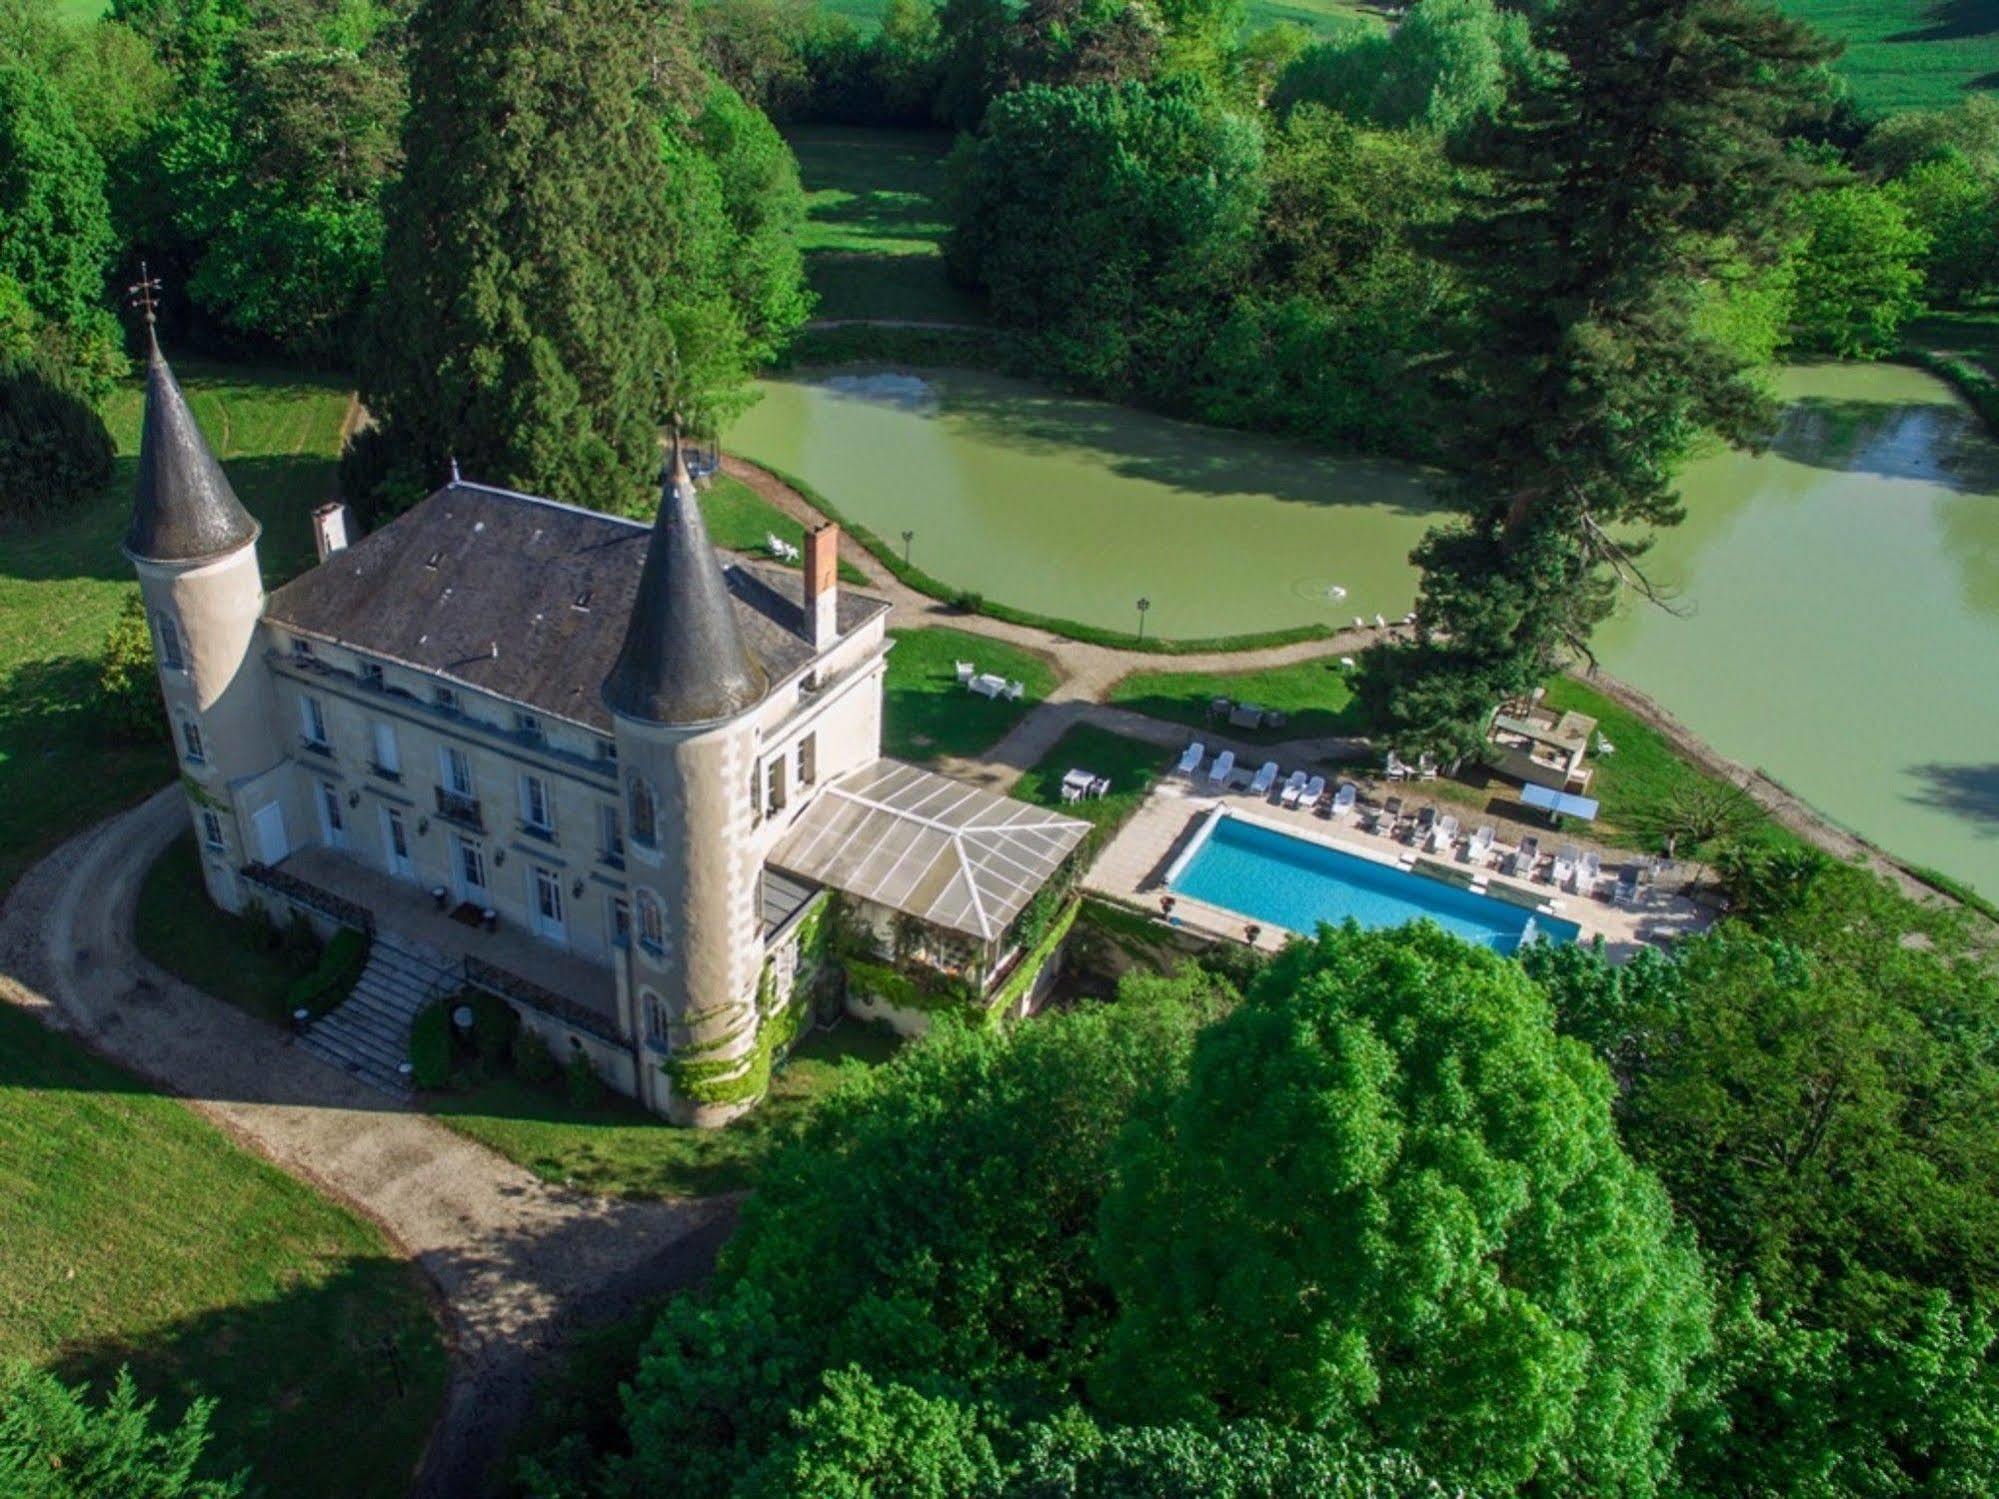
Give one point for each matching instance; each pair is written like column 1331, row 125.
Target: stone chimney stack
column 330, row 529
column 822, row 585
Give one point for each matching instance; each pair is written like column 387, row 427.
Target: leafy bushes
column 496, row 1026
column 580, row 1080
column 533, row 1061
column 53, row 1445
column 430, row 1046
column 128, row 684
column 54, row 448
column 340, row 964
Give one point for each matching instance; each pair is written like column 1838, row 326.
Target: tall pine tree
column 533, row 318
column 1648, row 166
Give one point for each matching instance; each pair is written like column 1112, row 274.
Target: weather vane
column 143, row 291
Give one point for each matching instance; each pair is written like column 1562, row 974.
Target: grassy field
column 927, row 713
column 61, row 584
column 135, row 1232
column 1131, row 764
column 1314, row 696
column 180, row 929
column 739, row 518
column 619, row 1149
column 875, row 230
column 1910, row 54
column 1965, row 335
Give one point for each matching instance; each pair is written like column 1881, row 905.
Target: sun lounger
column 1425, row 820
column 1588, row 873
column 1480, row 847
column 1191, row 757
column 1076, row 785
column 966, row 670
column 1627, row 885
column 1015, row 691
column 1444, row 836
column 1314, row 789
column 1294, row 787
column 1426, row 767
column 1396, row 769
column 1266, row 777
column 1343, row 803
column 1222, row 769
column 1563, row 871
column 1525, row 858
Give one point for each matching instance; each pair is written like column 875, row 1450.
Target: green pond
column 1836, row 614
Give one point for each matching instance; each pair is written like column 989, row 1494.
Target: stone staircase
column 368, row 1033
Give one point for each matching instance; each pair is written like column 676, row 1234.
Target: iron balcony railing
column 455, row 806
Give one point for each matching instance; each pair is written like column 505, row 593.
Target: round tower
column 194, row 548
column 683, row 696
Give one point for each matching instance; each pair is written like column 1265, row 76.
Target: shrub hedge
column 333, row 975
column 430, row 1046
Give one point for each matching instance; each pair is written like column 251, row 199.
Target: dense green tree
column 1954, row 206
column 1096, row 218
column 55, row 1445
column 1650, row 158
column 554, row 281
column 55, row 227
column 106, row 72
column 1448, row 66
column 858, row 1439
column 1857, row 272
column 128, row 684
column 1390, row 1206
column 1967, row 131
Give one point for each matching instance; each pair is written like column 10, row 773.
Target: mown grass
column 927, row 713
column 1315, row 696
column 136, row 1232
column 740, row 519
column 1910, row 54
column 618, row 1149
column 1131, row 764
column 62, row 582
column 179, row 928
column 875, row 226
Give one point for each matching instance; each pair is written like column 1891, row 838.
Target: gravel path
column 516, row 1263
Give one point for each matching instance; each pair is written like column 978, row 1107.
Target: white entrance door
column 547, row 905
column 396, row 841
column 269, row 823
column 471, row 871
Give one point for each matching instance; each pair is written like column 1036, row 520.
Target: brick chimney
column 329, row 529
column 822, row 585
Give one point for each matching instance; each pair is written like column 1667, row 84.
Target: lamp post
column 907, row 538
column 1143, row 605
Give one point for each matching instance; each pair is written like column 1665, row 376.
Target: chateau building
column 570, row 760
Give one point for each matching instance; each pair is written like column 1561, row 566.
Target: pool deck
column 1132, row 871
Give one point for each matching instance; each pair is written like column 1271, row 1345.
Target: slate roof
column 523, row 598
column 183, row 509
column 954, row 855
column 684, row 660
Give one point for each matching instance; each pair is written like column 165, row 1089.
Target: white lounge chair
column 1525, row 858
column 1222, row 769
column 966, row 670
column 1343, row 802
column 1426, row 767
column 1294, row 787
column 1396, row 770
column 773, row 543
column 1589, row 873
column 1444, row 836
column 1380, row 623
column 1627, row 886
column 1191, row 758
column 1015, row 691
column 1480, row 847
column 1266, row 777
column 1564, row 871
column 1314, row 789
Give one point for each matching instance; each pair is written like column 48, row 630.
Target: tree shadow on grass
column 1954, row 20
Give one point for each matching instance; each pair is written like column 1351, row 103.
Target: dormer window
column 644, row 820
column 371, row 674
column 445, row 698
column 190, row 739
column 301, row 648
column 607, row 751
column 527, row 726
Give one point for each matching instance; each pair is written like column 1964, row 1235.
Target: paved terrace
column 408, row 910
column 1132, row 867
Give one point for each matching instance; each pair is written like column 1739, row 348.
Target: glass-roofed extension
column 939, row 869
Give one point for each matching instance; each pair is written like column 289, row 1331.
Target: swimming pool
column 1296, row 884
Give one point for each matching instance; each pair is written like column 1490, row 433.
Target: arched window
column 190, row 739
column 655, row 1017
column 169, row 636
column 645, row 814
column 652, row 927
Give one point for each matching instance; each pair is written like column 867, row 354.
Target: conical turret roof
column 683, row 660
column 184, row 510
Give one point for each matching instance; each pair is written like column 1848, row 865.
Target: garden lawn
column 61, row 584
column 1909, row 54
column 136, row 1232
column 1131, row 764
column 738, row 518
column 927, row 713
column 619, row 1149
column 1958, row 335
column 1314, row 695
column 875, row 224
column 180, row 929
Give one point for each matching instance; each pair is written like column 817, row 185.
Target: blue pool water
column 1296, row 884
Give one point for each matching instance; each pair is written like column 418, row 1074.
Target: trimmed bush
column 54, row 448
column 430, row 1046
column 586, row 1089
column 495, row 1025
column 533, row 1061
column 338, row 967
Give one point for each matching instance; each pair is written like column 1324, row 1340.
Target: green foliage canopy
column 1857, row 272
column 55, row 1445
